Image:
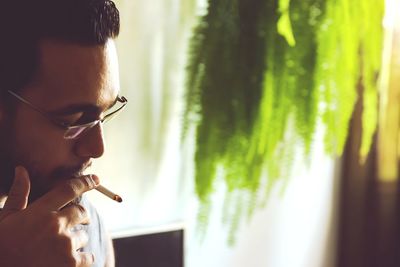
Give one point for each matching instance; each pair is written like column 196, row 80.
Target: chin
column 41, row 184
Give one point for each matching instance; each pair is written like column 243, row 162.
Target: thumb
column 19, row 192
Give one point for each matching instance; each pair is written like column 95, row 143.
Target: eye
column 72, row 119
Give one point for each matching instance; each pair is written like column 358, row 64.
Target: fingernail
column 92, row 180
column 96, row 179
column 17, row 176
column 89, row 181
column 17, row 171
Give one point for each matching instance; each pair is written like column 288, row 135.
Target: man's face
column 77, row 84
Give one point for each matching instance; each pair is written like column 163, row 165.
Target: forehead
column 68, row 74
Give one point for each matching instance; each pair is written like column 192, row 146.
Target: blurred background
column 264, row 132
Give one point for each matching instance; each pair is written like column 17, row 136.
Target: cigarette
column 108, row 193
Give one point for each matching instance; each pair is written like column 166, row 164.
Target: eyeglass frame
column 67, row 127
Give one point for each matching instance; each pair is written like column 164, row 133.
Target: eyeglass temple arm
column 37, row 109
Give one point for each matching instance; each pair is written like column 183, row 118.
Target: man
column 58, row 84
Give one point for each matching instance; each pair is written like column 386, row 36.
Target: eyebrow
column 81, row 107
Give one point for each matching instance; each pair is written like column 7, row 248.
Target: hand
column 42, row 234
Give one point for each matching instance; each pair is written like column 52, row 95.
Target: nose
column 91, row 144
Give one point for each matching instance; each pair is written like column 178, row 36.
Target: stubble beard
column 40, row 184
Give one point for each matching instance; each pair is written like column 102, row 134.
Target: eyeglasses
column 74, row 131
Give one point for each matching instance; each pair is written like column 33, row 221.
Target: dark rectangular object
column 153, row 250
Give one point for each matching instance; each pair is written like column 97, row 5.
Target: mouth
column 42, row 184
column 65, row 173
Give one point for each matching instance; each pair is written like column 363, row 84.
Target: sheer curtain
column 146, row 163
column 143, row 155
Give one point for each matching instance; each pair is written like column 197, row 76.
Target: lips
column 40, row 184
column 65, row 173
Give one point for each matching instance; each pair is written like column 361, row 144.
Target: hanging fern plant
column 261, row 74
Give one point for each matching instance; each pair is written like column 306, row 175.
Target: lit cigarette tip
column 118, row 198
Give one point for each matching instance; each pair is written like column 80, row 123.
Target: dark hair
column 23, row 23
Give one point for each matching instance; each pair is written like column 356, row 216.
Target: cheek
column 40, row 147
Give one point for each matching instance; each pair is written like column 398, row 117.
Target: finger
column 65, row 192
column 75, row 214
column 19, row 192
column 79, row 239
column 85, row 259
